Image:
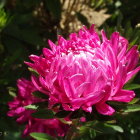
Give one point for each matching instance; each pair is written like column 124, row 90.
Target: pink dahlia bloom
column 84, row 71
column 24, row 98
column 54, row 127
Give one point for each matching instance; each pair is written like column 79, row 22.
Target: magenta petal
column 76, row 103
column 52, row 45
column 11, row 113
column 34, row 58
column 37, row 84
column 67, row 107
column 87, row 109
column 30, row 64
column 104, row 37
column 132, row 58
column 115, row 42
column 47, row 53
column 131, row 74
column 19, row 110
column 124, row 96
column 104, row 109
column 121, row 77
column 83, row 89
column 69, row 89
column 73, row 36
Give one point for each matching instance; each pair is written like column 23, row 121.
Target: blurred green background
column 25, row 27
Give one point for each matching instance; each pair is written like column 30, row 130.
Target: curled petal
column 124, row 96
column 131, row 74
column 104, row 109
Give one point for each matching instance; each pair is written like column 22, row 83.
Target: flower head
column 24, row 98
column 53, row 127
column 84, row 71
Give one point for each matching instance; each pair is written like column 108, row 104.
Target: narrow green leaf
column 43, row 114
column 12, row 91
column 40, row 95
column 115, row 127
column 132, row 86
column 135, row 100
column 41, row 104
column 64, row 121
column 99, row 3
column 41, row 136
column 31, row 107
column 34, row 72
column 62, row 114
column 92, row 133
column 132, row 108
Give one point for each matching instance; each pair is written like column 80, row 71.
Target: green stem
column 72, row 130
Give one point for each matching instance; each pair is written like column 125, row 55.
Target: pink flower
column 84, row 71
column 24, row 98
column 51, row 126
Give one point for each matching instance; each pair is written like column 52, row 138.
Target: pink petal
column 131, row 74
column 87, row 109
column 52, row 45
column 69, row 88
column 115, row 41
column 83, row 89
column 124, row 96
column 77, row 79
column 34, row 58
column 104, row 35
column 47, row 52
column 104, row 109
column 36, row 83
column 120, row 78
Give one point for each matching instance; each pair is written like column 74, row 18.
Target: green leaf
column 134, row 41
column 62, row 114
column 99, row 3
column 132, row 108
column 117, row 105
column 105, row 128
column 2, row 3
column 64, row 121
column 86, row 133
column 31, row 107
column 132, row 86
column 3, row 18
column 34, row 72
column 41, row 104
column 40, row 95
column 12, row 91
column 41, row 136
column 135, row 100
column 43, row 114
column 92, row 133
column 115, row 127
